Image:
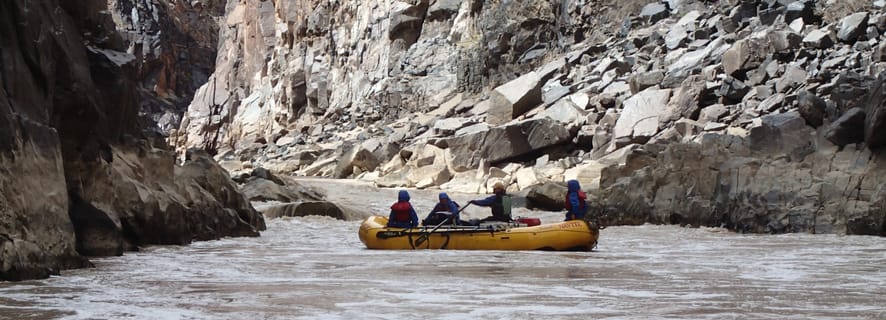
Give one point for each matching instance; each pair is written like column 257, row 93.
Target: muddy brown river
column 316, row 267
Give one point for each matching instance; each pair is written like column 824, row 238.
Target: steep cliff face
column 36, row 235
column 174, row 43
column 311, row 70
column 79, row 175
column 668, row 111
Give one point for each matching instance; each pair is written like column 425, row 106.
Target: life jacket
column 581, row 201
column 501, row 208
column 401, row 211
column 506, row 207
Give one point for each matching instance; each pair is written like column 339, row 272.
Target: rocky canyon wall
column 311, row 72
column 760, row 116
column 174, row 43
column 81, row 174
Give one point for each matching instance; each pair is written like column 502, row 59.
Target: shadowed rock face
column 79, row 176
column 174, row 43
column 875, row 124
column 36, row 235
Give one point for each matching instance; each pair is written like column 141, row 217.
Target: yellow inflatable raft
column 576, row 235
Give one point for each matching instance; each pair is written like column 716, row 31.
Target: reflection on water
column 307, row 268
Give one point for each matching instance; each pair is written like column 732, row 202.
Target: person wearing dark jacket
column 576, row 206
column 499, row 202
column 402, row 213
column 445, row 210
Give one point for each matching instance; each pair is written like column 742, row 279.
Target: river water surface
column 316, row 267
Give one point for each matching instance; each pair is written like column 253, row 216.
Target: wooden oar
column 424, row 237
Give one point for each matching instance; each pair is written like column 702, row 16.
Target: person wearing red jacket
column 402, row 214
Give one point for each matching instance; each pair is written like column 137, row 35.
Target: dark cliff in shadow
column 81, row 173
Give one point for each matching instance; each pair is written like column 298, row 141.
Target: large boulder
column 688, row 99
column 733, row 90
column 639, row 120
column 819, row 39
column 849, row 128
column 691, row 62
column 588, row 173
column 655, row 11
column 784, row 133
column 782, row 41
column 430, row 175
column 564, row 111
column 812, row 108
column 852, row 26
column 749, row 53
column 640, row 81
column 361, row 156
column 304, row 208
column 794, row 76
column 259, row 189
column 745, row 54
column 214, row 206
column 518, row 96
column 500, row 143
column 801, row 9
column 526, row 177
column 173, row 205
column 548, row 196
column 394, row 179
column 465, row 182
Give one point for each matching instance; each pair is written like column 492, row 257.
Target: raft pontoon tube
column 575, row 235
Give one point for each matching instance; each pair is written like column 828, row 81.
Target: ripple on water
column 316, row 267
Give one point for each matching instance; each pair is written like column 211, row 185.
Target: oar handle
column 424, row 237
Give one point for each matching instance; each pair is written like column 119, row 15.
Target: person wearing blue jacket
column 402, row 214
column 449, row 211
column 499, row 202
column 576, row 205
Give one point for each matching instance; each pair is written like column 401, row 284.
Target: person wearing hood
column 402, row 213
column 445, row 210
column 499, row 203
column 576, row 206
